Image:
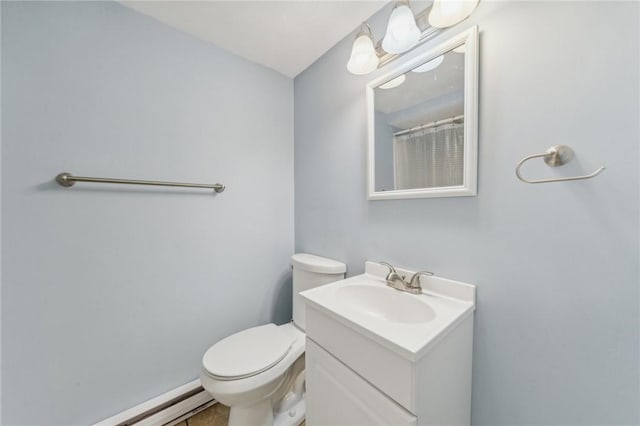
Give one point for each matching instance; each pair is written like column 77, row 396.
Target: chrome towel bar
column 67, row 179
column 555, row 156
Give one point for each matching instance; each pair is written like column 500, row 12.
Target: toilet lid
column 247, row 352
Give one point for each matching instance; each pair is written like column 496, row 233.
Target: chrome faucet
column 397, row 281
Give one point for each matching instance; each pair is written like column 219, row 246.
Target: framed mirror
column 422, row 124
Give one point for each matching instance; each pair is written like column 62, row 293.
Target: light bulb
column 402, row 32
column 431, row 65
column 393, row 83
column 363, row 57
column 446, row 13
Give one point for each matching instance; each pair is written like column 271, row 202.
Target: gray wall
column 111, row 295
column 556, row 265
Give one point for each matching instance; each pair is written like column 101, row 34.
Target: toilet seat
column 247, row 353
column 242, row 393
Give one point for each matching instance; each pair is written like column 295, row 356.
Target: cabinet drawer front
column 336, row 396
column 385, row 369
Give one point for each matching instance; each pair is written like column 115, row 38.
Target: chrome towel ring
column 555, row 156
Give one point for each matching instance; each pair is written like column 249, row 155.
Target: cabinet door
column 336, row 396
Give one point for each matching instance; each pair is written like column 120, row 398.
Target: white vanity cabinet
column 377, row 356
column 336, row 396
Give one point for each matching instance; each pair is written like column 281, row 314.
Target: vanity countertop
column 407, row 324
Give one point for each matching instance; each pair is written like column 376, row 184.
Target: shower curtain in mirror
column 429, row 158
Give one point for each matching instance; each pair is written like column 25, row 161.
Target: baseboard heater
column 165, row 410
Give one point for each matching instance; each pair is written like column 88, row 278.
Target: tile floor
column 216, row 415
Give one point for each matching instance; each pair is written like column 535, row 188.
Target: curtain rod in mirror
column 457, row 119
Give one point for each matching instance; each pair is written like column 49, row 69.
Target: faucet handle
column 393, row 274
column 415, row 279
column 388, row 265
column 392, row 271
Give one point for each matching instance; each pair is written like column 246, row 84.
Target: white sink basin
column 385, row 304
column 405, row 323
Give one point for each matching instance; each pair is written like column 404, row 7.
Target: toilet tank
column 310, row 271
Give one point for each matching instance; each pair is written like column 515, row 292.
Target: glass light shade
column 431, row 65
column 363, row 58
column 402, row 32
column 446, row 13
column 393, row 83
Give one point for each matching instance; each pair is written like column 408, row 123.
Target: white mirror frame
column 470, row 175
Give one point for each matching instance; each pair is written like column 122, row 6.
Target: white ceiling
column 425, row 97
column 286, row 36
column 423, row 87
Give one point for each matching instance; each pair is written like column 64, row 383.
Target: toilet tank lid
column 313, row 263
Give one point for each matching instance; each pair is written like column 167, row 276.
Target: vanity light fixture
column 446, row 13
column 402, row 31
column 393, row 83
column 363, row 58
column 431, row 65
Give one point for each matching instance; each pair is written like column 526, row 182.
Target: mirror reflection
column 419, row 126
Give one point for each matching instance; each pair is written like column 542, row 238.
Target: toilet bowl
column 252, row 372
column 259, row 372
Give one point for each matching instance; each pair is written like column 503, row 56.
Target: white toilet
column 259, row 372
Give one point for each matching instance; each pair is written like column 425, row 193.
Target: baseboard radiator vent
column 165, row 410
